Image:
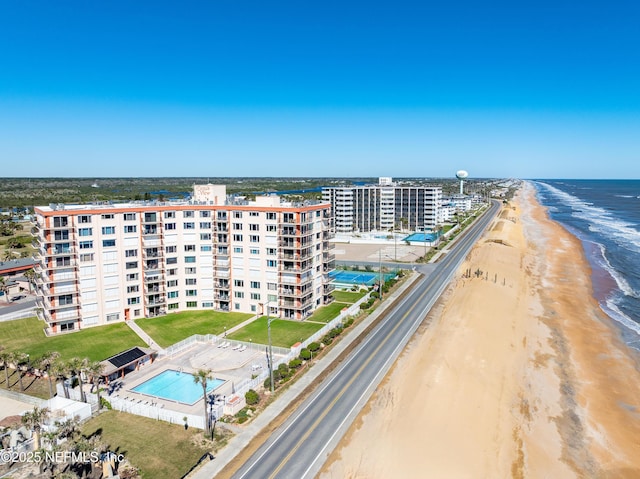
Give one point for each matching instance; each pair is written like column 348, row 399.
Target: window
column 272, row 286
column 237, row 237
column 271, row 251
column 190, row 281
column 188, row 214
column 108, row 243
column 172, row 294
column 239, row 283
column 189, row 226
column 108, row 230
column 272, row 297
column 192, row 292
column 61, row 235
column 237, row 214
column 113, row 317
column 271, row 216
column 169, row 214
column 172, row 271
column 205, row 225
column 205, row 247
column 136, row 312
column 66, row 261
column 236, row 305
column 170, row 249
column 271, row 263
column 207, row 304
column 255, row 295
column 131, row 253
column 189, row 247
column 108, row 216
column 237, row 226
column 131, row 265
column 172, row 260
column 173, row 306
column 254, row 227
column 86, row 244
column 85, row 231
column 189, row 259
column 190, row 270
column 65, row 299
column 205, row 214
column 84, row 219
column 169, row 226
column 86, row 257
column 129, row 216
column 254, row 251
column 254, row 238
column 255, row 284
column 192, row 304
column 172, row 283
column 130, row 228
column 133, row 289
column 60, row 222
column 222, row 215
column 254, row 213
column 205, row 236
column 238, row 294
column 135, row 300
column 132, row 277
column 237, row 249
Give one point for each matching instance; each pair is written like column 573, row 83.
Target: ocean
column 605, row 216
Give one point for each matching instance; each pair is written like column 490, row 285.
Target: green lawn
column 327, row 313
column 284, row 333
column 161, row 450
column 347, row 296
column 98, row 343
column 169, row 329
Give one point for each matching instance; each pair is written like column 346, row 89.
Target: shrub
column 305, row 354
column 327, row 340
column 295, row 363
column 348, row 322
column 283, row 369
column 313, row 347
column 365, row 305
column 374, row 295
column 104, row 403
column 251, row 397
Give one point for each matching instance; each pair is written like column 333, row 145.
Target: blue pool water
column 176, row 386
column 357, row 277
column 424, row 237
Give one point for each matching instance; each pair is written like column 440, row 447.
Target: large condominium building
column 100, row 264
column 383, row 207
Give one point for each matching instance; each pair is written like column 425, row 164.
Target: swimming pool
column 357, row 277
column 176, row 386
column 424, row 237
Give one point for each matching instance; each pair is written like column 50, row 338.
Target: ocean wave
column 624, row 196
column 620, row 280
column 616, row 314
column 600, row 220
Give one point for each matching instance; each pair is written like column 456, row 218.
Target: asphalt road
column 301, row 445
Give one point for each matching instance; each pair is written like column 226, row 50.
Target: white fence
column 214, row 340
column 24, row 313
column 157, row 412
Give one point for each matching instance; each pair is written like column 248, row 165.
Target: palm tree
column 94, row 370
column 60, row 370
column 46, row 364
column 31, row 277
column 21, row 363
column 4, row 287
column 6, row 357
column 76, row 366
column 202, row 376
column 34, row 421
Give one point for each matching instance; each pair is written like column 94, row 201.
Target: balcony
column 52, row 252
column 156, row 301
column 156, row 288
column 328, row 288
column 223, row 285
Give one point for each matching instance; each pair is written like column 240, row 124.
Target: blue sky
column 543, row 89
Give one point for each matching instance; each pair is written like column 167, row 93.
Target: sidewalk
column 144, row 336
column 239, row 442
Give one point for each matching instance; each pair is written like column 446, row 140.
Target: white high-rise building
column 103, row 263
column 383, row 207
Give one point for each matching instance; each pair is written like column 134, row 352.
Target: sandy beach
column 515, row 373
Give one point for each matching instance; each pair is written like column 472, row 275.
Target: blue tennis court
column 357, row 277
column 176, row 386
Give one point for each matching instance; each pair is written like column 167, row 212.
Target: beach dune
column 515, row 373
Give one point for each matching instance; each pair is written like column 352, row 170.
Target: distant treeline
column 30, row 192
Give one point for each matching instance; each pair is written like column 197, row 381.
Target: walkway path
column 144, row 336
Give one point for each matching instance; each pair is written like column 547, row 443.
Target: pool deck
column 232, row 366
column 373, row 252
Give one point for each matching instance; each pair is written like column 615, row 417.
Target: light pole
column 380, row 273
column 270, row 348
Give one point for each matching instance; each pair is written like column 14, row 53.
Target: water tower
column 462, row 175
